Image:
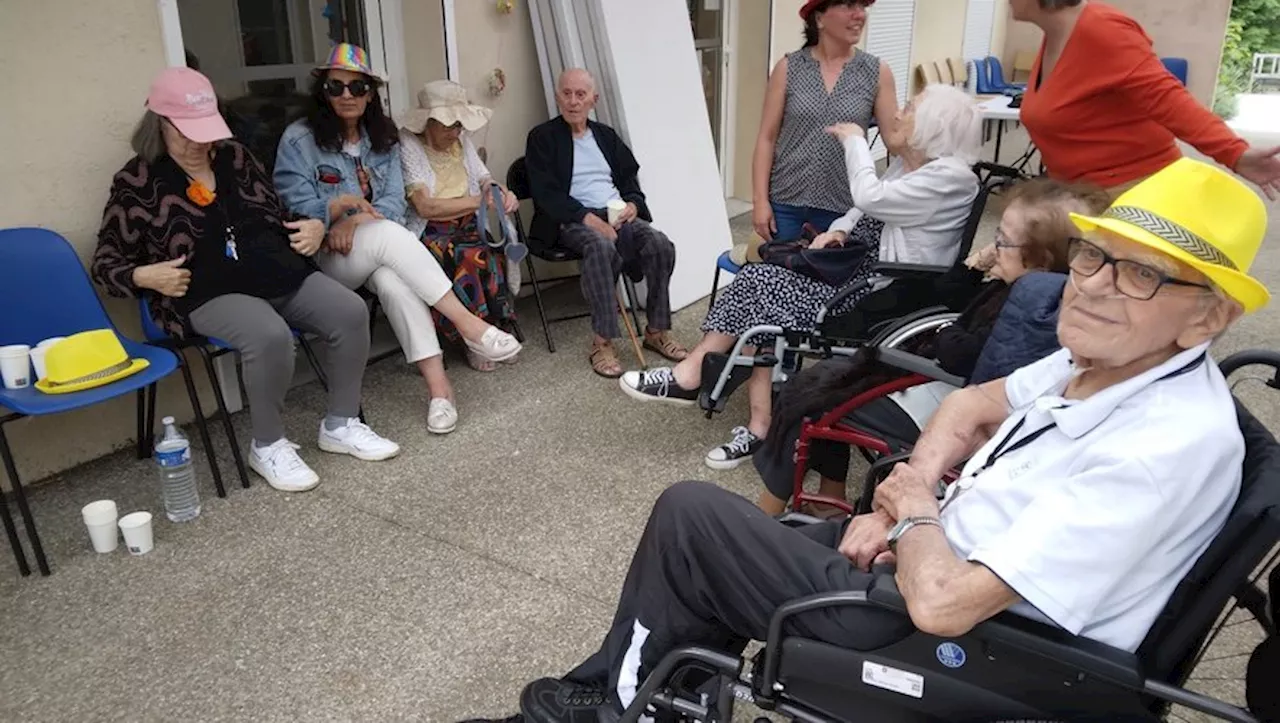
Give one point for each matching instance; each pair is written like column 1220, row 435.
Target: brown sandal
column 665, row 346
column 604, row 361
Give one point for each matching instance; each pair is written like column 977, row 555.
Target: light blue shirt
column 592, row 184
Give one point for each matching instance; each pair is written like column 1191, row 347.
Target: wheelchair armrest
column 884, row 593
column 1089, row 657
column 897, row 271
column 918, row 365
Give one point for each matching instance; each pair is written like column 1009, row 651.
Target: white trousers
column 388, row 259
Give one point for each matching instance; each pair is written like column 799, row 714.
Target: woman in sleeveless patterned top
column 798, row 172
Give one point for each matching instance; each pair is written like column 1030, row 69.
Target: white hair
column 947, row 123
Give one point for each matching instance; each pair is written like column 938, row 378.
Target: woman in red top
column 1102, row 108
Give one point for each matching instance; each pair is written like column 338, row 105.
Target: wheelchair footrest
column 713, row 366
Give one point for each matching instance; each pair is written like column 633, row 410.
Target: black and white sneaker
column 735, row 452
column 548, row 700
column 657, row 385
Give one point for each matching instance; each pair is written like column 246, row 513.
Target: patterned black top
column 149, row 219
column 808, row 164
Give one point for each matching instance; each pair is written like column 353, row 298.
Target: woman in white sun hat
column 447, row 184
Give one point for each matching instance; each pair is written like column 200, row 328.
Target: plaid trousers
column 602, row 261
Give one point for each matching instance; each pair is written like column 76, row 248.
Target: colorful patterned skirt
column 478, row 273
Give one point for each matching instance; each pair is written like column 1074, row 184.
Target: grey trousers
column 260, row 330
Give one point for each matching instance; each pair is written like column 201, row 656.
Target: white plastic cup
column 37, row 355
column 15, row 366
column 615, row 209
column 136, row 527
column 100, row 518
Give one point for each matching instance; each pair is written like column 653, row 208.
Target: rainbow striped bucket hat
column 345, row 56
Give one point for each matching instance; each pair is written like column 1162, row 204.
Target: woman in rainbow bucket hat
column 341, row 164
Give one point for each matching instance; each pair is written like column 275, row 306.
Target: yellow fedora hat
column 1200, row 215
column 86, row 360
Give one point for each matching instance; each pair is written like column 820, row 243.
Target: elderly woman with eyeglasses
column 194, row 225
column 341, row 165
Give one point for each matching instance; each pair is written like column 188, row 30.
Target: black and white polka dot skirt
column 764, row 294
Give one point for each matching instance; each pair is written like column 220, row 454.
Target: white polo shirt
column 1096, row 519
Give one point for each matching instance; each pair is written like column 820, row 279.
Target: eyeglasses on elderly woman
column 1131, row 278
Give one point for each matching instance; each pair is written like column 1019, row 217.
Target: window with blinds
column 890, row 28
column 978, row 22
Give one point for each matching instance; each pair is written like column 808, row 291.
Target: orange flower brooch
column 200, row 194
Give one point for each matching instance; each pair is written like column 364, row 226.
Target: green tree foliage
column 1254, row 28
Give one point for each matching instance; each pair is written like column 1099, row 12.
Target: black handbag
column 834, row 265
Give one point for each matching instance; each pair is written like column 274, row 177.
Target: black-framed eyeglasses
column 1003, row 242
column 1131, row 278
column 358, row 87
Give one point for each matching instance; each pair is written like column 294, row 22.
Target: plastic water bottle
column 177, row 475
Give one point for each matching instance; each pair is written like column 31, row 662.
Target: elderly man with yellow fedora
column 1094, row 478
column 447, row 185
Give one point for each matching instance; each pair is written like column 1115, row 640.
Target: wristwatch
column 897, row 531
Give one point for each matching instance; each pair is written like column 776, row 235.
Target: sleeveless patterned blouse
column 808, row 164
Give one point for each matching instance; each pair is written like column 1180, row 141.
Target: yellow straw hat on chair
column 1200, row 215
column 87, row 360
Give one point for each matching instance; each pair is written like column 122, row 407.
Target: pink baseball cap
column 186, row 98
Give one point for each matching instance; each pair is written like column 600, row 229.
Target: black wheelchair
column 912, row 288
column 1009, row 667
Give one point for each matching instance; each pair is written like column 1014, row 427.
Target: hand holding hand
column 843, row 131
column 307, row 236
column 828, row 238
column 600, row 226
column 905, row 493
column 1262, row 166
column 866, row 538
column 166, row 277
column 342, row 235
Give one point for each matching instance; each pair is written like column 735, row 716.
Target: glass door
column 259, row 55
column 706, row 17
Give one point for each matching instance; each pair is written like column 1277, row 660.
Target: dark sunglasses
column 359, row 87
column 1135, row 280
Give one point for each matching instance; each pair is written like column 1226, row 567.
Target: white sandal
column 495, row 345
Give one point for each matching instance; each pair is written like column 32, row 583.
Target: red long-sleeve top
column 1109, row 111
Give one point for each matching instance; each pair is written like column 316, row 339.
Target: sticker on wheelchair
column 951, row 655
column 898, row 681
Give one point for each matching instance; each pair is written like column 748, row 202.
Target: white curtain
column 978, row 22
column 890, row 30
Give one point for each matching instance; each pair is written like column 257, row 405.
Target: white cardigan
column 924, row 211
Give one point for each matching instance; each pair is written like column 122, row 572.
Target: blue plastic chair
column 46, row 293
column 723, row 263
column 1177, row 66
column 996, row 71
column 982, row 78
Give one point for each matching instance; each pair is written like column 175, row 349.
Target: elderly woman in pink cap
column 447, row 185
column 193, row 223
column 341, row 165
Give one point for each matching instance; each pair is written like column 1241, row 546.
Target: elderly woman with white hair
column 915, row 213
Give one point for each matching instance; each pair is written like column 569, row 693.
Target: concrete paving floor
column 429, row 587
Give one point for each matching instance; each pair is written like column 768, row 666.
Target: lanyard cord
column 1004, row 447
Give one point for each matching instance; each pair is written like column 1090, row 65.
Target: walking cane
column 631, row 332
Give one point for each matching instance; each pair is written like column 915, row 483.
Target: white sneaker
column 442, row 416
column 282, row 468
column 356, row 439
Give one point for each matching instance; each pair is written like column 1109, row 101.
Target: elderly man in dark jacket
column 577, row 169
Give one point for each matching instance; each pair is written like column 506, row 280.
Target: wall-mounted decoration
column 497, row 82
column 506, row 6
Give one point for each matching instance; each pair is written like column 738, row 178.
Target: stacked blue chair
column 996, row 72
column 46, row 293
column 1177, row 66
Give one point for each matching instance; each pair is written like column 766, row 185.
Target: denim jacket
column 307, row 177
